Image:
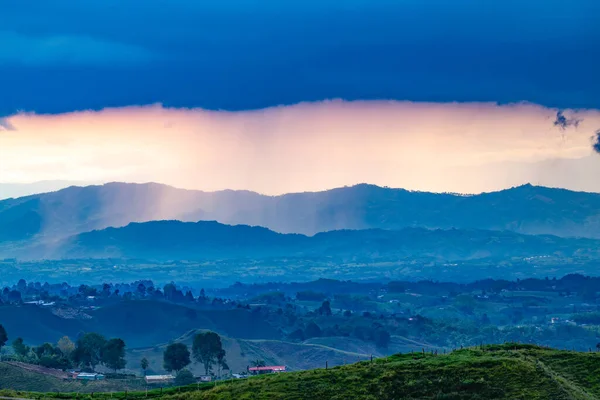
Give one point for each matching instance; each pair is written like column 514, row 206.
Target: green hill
column 494, row 372
column 15, row 378
column 508, row 371
column 140, row 323
column 38, row 325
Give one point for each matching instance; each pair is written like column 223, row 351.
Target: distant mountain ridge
column 525, row 209
column 176, row 240
column 10, row 190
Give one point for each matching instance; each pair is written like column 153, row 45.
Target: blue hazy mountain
column 525, row 209
column 170, row 240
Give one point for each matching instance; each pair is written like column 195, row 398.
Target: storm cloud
column 63, row 56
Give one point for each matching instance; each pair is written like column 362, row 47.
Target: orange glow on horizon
column 461, row 147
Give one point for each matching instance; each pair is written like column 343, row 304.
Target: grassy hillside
column 140, row 323
column 507, row 371
column 494, row 372
column 38, row 325
column 241, row 352
column 15, row 378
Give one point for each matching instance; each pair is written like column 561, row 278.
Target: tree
column 189, row 297
column 184, row 377
column 45, row 350
column 207, row 348
column 144, row 364
column 88, row 352
column 66, row 346
column 3, row 338
column 113, row 354
column 325, row 308
column 169, row 290
column 20, row 348
column 14, row 296
column 141, row 290
column 105, row 290
column 176, row 357
column 221, row 362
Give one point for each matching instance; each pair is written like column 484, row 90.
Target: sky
column 275, row 96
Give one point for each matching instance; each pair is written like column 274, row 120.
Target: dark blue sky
column 58, row 56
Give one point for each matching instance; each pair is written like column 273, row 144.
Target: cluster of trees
column 3, row 338
column 207, row 349
column 89, row 351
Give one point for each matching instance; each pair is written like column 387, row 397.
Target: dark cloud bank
column 233, row 54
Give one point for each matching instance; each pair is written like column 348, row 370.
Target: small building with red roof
column 269, row 369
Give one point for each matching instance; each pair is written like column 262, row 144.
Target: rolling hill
column 241, row 352
column 493, row 372
column 525, row 209
column 168, row 240
column 13, row 378
column 508, row 371
column 139, row 322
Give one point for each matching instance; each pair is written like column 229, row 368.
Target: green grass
column 509, row 371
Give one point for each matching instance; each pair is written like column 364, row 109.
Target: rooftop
column 268, row 368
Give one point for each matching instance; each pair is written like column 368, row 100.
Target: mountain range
column 525, row 209
column 204, row 240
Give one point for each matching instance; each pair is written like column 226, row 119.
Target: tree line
column 90, row 350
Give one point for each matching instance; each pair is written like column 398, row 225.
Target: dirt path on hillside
column 57, row 373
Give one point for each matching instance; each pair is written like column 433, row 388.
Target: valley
column 396, row 286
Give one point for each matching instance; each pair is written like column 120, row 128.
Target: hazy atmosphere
column 303, row 200
column 457, row 147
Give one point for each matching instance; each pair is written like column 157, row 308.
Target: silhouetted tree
column 20, row 348
column 144, row 364
column 3, row 338
column 189, row 297
column 176, row 357
column 221, row 362
column 325, row 308
column 141, row 290
column 14, row 296
column 207, row 348
column 88, row 352
column 113, row 354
